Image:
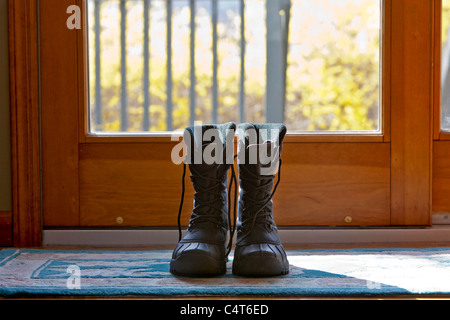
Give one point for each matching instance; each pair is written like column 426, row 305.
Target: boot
column 202, row 251
column 258, row 251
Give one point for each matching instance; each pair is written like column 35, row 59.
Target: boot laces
column 197, row 217
column 262, row 213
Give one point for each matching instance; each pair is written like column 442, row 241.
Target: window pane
column 314, row 65
column 445, row 66
column 334, row 65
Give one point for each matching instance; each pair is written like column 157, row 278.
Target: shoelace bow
column 200, row 218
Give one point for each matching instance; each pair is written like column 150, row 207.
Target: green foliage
column 332, row 78
column 445, row 20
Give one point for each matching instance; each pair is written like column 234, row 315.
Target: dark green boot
column 202, row 251
column 259, row 252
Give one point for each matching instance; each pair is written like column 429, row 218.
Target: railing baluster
column 146, row 80
column 169, row 106
column 215, row 93
column 98, row 82
column 192, row 63
column 242, row 70
column 277, row 36
column 123, row 67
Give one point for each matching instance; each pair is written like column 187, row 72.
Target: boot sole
column 260, row 266
column 197, row 266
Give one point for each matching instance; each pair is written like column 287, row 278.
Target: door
column 441, row 137
column 377, row 175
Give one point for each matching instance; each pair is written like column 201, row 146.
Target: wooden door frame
column 24, row 104
column 441, row 143
column 411, row 98
column 412, row 58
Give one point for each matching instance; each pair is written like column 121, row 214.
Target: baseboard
column 6, row 231
column 130, row 237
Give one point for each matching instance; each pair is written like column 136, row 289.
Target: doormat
column 320, row 273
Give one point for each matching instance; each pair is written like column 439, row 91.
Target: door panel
column 137, row 182
column 321, row 184
column 441, row 176
column 90, row 180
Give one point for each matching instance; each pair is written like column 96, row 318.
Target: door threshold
column 155, row 236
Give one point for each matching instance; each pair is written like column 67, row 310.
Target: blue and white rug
column 354, row 272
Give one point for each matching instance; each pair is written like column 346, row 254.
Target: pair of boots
column 203, row 251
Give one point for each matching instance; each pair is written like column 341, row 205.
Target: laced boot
column 258, row 251
column 202, row 251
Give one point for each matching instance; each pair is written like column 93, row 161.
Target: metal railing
column 277, row 22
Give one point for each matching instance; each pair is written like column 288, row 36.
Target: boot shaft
column 260, row 147
column 259, row 152
column 208, row 160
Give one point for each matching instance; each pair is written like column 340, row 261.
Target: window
column 445, row 67
column 158, row 65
